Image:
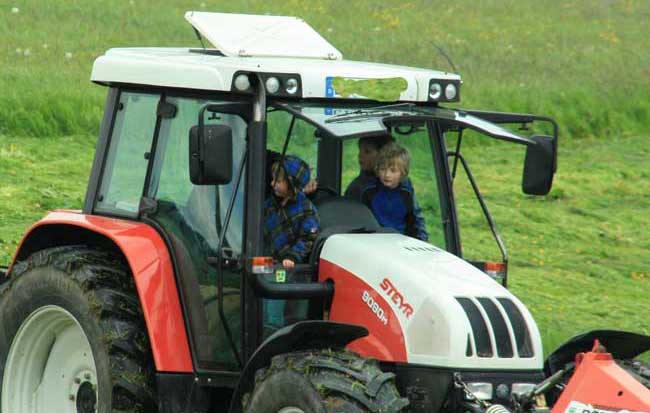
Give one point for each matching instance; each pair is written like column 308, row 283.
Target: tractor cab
column 185, row 149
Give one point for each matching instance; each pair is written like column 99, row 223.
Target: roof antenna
column 198, row 35
column 442, row 52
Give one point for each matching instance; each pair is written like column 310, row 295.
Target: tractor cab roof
column 291, row 58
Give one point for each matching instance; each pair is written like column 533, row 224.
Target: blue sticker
column 329, row 90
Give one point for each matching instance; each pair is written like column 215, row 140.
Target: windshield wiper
column 375, row 112
column 358, row 116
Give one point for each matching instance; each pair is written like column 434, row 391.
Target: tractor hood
column 448, row 312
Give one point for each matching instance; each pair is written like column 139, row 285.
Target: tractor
column 154, row 296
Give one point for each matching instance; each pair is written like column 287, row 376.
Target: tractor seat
column 342, row 215
column 345, row 212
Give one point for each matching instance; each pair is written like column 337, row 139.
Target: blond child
column 390, row 195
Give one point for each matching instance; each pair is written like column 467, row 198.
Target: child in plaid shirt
column 290, row 219
column 390, row 195
column 290, row 229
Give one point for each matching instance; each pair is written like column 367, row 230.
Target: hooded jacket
column 291, row 229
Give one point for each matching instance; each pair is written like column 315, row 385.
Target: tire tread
column 106, row 281
column 346, row 381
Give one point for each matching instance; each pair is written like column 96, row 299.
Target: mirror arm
column 458, row 143
column 288, row 138
column 486, row 212
column 510, row 118
column 201, row 125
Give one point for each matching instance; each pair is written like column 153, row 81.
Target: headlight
column 521, row 388
column 291, row 86
column 272, row 85
column 242, row 82
column 503, row 391
column 435, row 90
column 450, row 91
column 482, row 391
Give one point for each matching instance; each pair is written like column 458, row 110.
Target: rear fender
column 621, row 345
column 304, row 335
column 151, row 266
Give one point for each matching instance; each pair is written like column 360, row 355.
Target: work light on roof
column 291, row 86
column 450, row 91
column 272, row 85
column 242, row 82
column 435, row 90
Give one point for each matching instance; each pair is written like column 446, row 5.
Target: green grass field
column 580, row 257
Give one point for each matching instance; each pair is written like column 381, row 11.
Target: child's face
column 390, row 175
column 280, row 186
column 367, row 156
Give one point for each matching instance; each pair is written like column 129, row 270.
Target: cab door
column 193, row 220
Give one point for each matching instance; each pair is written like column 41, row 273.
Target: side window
column 126, row 163
column 477, row 240
column 204, row 207
column 303, row 143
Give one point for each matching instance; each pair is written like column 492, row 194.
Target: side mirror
column 540, row 165
column 210, row 154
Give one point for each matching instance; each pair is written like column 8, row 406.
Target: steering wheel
column 326, row 189
column 321, row 193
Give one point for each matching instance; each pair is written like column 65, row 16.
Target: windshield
column 342, row 144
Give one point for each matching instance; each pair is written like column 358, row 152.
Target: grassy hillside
column 582, row 62
column 579, row 257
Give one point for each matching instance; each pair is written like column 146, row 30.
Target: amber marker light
column 262, row 265
column 495, row 269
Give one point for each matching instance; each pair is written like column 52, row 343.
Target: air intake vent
column 522, row 335
column 497, row 321
column 479, row 328
column 501, row 335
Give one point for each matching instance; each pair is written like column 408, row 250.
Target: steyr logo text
column 396, row 297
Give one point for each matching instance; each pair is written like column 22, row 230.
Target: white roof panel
column 180, row 68
column 262, row 36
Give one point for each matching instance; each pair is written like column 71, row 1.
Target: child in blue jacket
column 390, row 195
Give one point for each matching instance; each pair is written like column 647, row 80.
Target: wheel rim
column 291, row 410
column 50, row 366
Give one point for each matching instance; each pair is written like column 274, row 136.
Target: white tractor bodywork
column 433, row 282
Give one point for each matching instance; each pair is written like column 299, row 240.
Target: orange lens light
column 262, row 265
column 495, row 269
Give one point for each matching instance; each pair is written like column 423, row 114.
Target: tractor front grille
column 498, row 328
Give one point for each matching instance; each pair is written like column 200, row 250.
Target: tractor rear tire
column 72, row 336
column 323, row 381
